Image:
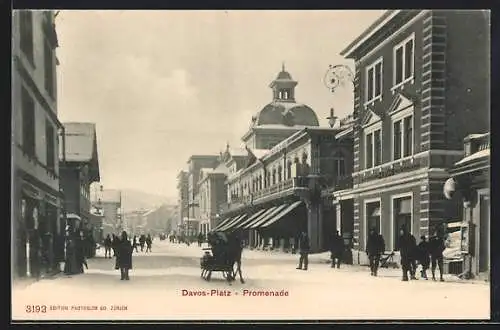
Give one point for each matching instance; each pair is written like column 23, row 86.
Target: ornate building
column 418, row 93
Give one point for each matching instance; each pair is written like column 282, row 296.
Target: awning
column 281, row 214
column 237, row 221
column 376, row 212
column 232, row 222
column 250, row 219
column 269, row 210
column 405, row 206
column 268, row 216
column 223, row 223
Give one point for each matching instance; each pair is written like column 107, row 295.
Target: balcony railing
column 278, row 188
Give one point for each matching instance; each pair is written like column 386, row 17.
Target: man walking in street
column 107, row 247
column 423, row 256
column 149, row 243
column 375, row 246
column 436, row 249
column 337, row 250
column 407, row 249
column 304, row 247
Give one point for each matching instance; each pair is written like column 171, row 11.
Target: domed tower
column 283, row 86
column 282, row 117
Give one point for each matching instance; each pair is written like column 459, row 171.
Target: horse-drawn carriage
column 222, row 255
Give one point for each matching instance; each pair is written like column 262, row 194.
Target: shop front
column 470, row 178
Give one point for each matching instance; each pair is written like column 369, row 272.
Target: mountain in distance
column 135, row 200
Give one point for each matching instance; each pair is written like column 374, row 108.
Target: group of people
column 426, row 253
column 111, row 243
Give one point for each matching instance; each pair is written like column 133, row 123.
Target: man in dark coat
column 124, row 256
column 436, row 249
column 375, row 246
column 337, row 249
column 142, row 241
column 423, row 256
column 304, row 247
column 407, row 249
column 200, row 239
column 149, row 243
column 107, row 246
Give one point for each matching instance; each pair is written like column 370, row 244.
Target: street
column 166, row 285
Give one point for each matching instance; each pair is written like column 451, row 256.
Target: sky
column 163, row 85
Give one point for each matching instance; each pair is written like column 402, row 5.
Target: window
column 26, row 34
column 374, row 81
column 50, row 142
column 373, row 147
column 397, row 139
column 289, row 169
column 339, row 166
column 28, row 109
column 408, row 136
column 372, row 218
column 403, row 137
column 369, row 150
column 377, row 147
column 404, row 61
column 49, row 68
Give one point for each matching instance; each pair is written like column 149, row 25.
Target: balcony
column 281, row 189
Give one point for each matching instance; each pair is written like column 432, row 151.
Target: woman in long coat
column 124, row 256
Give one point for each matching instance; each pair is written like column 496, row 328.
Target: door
column 484, row 233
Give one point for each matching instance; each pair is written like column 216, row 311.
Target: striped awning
column 257, row 219
column 230, row 223
column 268, row 216
column 282, row 214
column 234, row 223
column 250, row 219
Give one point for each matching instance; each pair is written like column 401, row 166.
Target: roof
column 238, row 152
column 110, row 196
column 80, row 141
column 260, row 153
column 284, row 75
column 475, row 156
column 285, row 114
column 369, row 32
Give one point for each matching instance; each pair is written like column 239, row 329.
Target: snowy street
column 160, row 281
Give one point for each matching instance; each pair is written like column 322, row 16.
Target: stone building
column 182, row 198
column 110, row 202
column 421, row 86
column 37, row 227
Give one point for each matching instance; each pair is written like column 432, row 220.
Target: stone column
column 314, row 226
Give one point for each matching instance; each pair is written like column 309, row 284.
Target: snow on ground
column 156, row 292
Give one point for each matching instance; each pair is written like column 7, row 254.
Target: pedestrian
column 337, row 250
column 436, row 248
column 304, row 247
column 423, row 256
column 80, row 253
column 134, row 244
column 142, row 241
column 375, row 246
column 407, row 249
column 200, row 239
column 124, row 257
column 107, row 246
column 149, row 242
column 114, row 243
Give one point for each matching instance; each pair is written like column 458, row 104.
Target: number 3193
column 36, row 309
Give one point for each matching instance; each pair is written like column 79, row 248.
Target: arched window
column 304, row 157
column 280, row 173
column 274, row 176
column 288, row 169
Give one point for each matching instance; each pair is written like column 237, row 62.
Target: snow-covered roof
column 260, row 153
column 477, row 136
column 477, row 155
column 79, row 141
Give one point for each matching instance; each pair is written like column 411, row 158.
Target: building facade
column 212, row 197
column 110, row 204
column 79, row 169
column 182, row 198
column 37, row 227
column 196, row 163
column 470, row 179
column 421, row 85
